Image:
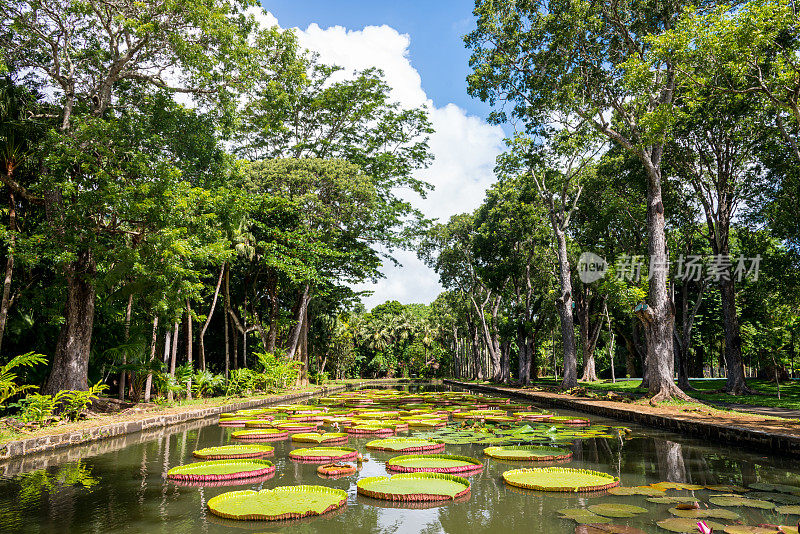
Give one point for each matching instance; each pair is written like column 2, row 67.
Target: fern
column 8, row 377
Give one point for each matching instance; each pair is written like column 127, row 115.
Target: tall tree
column 589, row 60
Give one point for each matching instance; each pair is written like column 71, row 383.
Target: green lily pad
column 700, row 513
column 782, row 488
column 414, row 487
column 315, row 437
column 263, row 434
column 225, row 452
column 788, row 510
column 218, row 470
column 323, row 454
column 600, row 528
column 527, row 453
column 405, row 445
column 560, row 479
column 748, row 529
column 616, row 510
column 636, row 490
column 433, row 463
column 581, row 515
column 685, row 524
column 676, row 486
column 283, row 502
column 738, row 500
column 779, row 498
column 672, row 500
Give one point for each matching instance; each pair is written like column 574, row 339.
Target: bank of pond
column 394, row 460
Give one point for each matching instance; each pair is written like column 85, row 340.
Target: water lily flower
column 703, row 527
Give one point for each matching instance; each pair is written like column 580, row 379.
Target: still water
column 118, row 485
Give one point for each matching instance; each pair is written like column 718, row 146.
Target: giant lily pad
column 231, row 452
column 750, row 529
column 663, row 486
column 672, row 499
column 263, row 434
column 371, row 429
column 560, row 479
column 783, row 488
column 581, row 515
column 738, row 500
column 700, row 513
column 218, row 470
column 414, row 487
column 405, row 445
column 323, row 454
column 600, row 528
column 616, row 510
column 788, row 510
column 336, row 470
column 284, row 502
column 637, row 490
column 433, row 463
column 779, row 498
column 527, row 453
column 314, row 437
column 684, row 524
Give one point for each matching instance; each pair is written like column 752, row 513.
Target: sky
column 419, row 46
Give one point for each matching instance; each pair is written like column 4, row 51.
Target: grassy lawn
column 705, row 391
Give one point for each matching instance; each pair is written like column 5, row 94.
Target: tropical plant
column 8, row 376
column 37, row 408
column 206, row 383
column 73, row 403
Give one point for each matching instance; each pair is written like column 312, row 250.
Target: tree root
column 669, row 392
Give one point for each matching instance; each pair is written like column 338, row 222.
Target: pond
column 119, row 486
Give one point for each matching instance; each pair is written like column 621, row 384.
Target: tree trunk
column 658, row 316
column 304, row 357
column 524, row 356
column 173, row 356
column 149, row 382
column 226, row 319
column 189, row 355
column 564, row 305
column 589, row 333
column 124, row 373
column 477, row 371
column 301, row 314
column 6, row 300
column 71, row 360
column 208, row 321
column 734, row 365
column 273, row 315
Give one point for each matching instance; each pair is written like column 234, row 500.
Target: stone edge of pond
column 39, row 444
column 760, row 440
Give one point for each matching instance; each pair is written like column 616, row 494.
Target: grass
column 706, row 391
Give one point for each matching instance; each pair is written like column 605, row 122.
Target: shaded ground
column 683, row 411
column 708, row 391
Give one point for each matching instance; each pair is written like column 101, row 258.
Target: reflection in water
column 118, row 486
column 50, row 491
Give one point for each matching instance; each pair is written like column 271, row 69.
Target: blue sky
column 420, row 48
column 436, row 28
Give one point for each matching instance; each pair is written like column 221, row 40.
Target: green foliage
column 207, row 384
column 73, row 403
column 37, row 408
column 9, row 386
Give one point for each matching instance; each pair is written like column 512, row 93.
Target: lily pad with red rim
column 230, row 452
column 414, row 487
column 433, row 463
column 220, row 470
column 283, row 502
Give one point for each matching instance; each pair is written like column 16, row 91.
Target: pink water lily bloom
column 703, row 527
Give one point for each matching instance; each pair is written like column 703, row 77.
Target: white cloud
column 464, row 146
